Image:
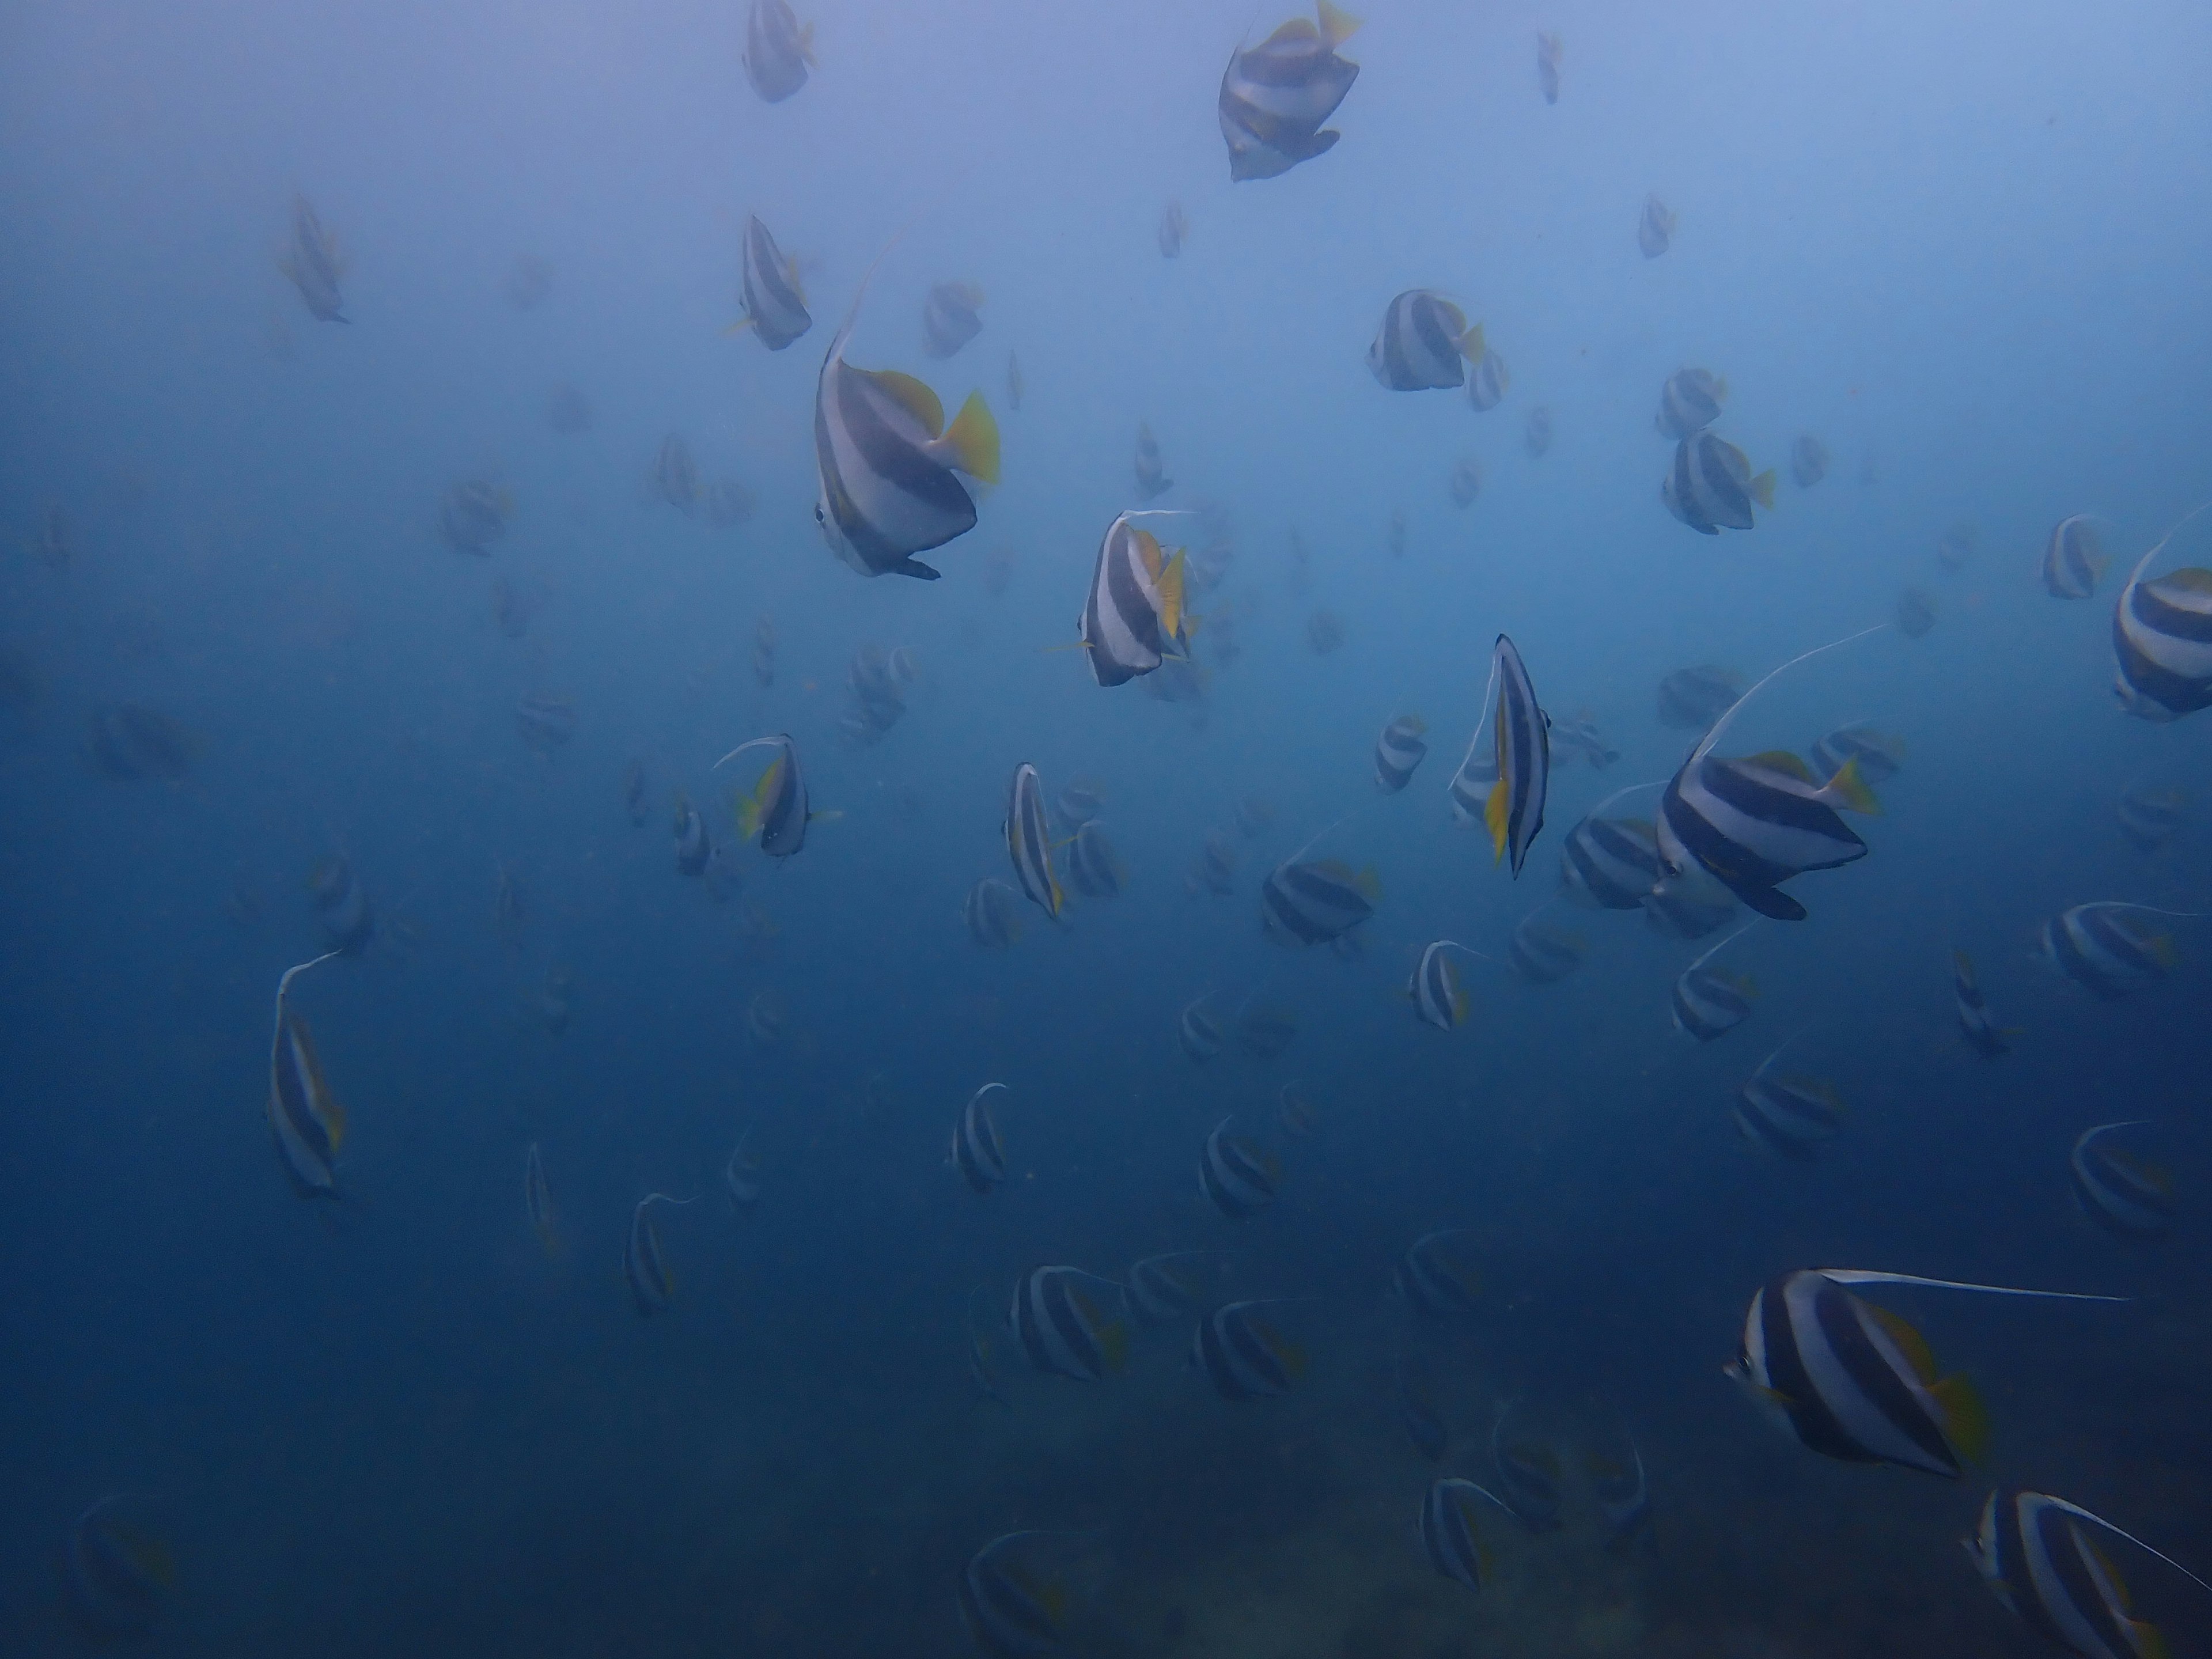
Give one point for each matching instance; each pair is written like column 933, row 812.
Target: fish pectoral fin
column 1848, row 789
column 913, row 566
column 911, row 395
column 1493, row 818
column 970, row 444
column 2148, row 1639
column 1462, row 1003
column 1965, row 1419
column 1170, row 584
column 1762, row 488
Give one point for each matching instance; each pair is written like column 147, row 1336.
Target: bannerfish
column 120, row 1576
column 1174, row 226
column 1093, row 866
column 1536, row 436
column 1398, row 750
column 776, row 304
column 1655, row 229
column 1449, row 1534
column 472, row 514
column 1243, row 1355
column 741, row 1176
column 1541, row 953
column 1548, row 53
column 1152, row 480
column 2124, row 1195
column 1879, row 755
column 2149, row 817
column 1521, row 745
column 2108, row 947
column 1275, row 96
column 676, row 474
column 1711, row 487
column 694, row 850
column 1016, row 386
column 1580, row 736
column 949, row 318
column 1418, row 1413
column 1434, row 989
column 1423, row 344
column 990, row 912
column 546, row 721
column 341, row 906
column 1011, row 1612
column 1059, row 1317
column 1266, row 1030
column 1029, row 842
column 1161, row 1292
column 1689, row 401
column 1983, row 1033
column 778, row 51
column 1487, row 382
column 538, row 1201
column 1793, row 1116
column 651, row 1285
column 2032, row 1552
column 1133, row 618
column 1305, row 903
column 1809, row 461
column 1916, row 612
column 1464, row 481
column 1198, row 1033
column 308, row 1124
column 1436, row 1278
column 2162, row 636
column 1692, row 699
column 977, row 1152
column 1239, row 1177
column 1529, row 1476
column 776, row 810
column 1708, row 1003
column 314, row 265
column 2074, row 558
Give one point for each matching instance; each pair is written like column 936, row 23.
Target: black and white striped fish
column 1059, row 1316
column 778, row 51
column 775, row 306
column 1174, row 227
column 1878, row 753
column 1398, row 750
column 1449, row 1534
column 1520, row 751
column 741, row 1176
column 1711, row 487
column 1655, row 229
column 1488, row 381
column 2149, row 818
column 2108, row 947
column 1580, row 736
column 2032, row 1551
column 1423, row 344
column 308, row 1124
column 1536, row 436
column 2162, row 635
column 1855, row 1381
column 1621, row 1491
column 1239, row 1177
column 1793, row 1116
column 977, row 1152
column 1983, row 1034
column 1612, row 863
column 1437, row 1278
column 885, row 461
column 2118, row 1191
column 1029, row 842
column 1199, row 1033
column 538, row 1201
column 1275, row 96
column 1529, row 1476
column 1243, row 1355
column 1133, row 618
column 1540, row 953
column 948, row 318
column 989, row 910
column 1692, row 699
column 1216, row 866
column 1548, row 53
column 1010, row 1612
column 1092, row 863
column 2074, row 558
column 1464, row 481
column 1438, row 997
column 1160, row 1292
column 1689, row 401
column 775, row 811
column 1708, row 1003
column 651, row 1285
column 1470, row 786
column 1152, row 480
column 1313, row 903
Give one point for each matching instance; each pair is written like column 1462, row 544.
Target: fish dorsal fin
column 2190, row 580
column 911, row 395
column 1337, row 26
column 1297, row 29
column 1706, row 745
column 1148, row 550
column 1908, row 1340
column 2157, row 546
column 2078, row 1513
column 1781, row 760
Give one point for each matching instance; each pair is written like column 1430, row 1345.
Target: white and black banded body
column 989, row 911
column 1655, row 230
column 1275, row 96
column 1239, row 1177
column 1424, row 343
column 1152, row 480
column 1521, row 742
column 1488, row 381
column 2033, row 1551
column 1981, row 1031
column 977, row 1152
column 949, row 318
column 1709, row 1004
column 775, row 308
column 1159, row 1291
column 1059, row 1317
column 2162, row 637
column 2124, row 1195
column 1809, row 461
column 1132, row 617
column 651, row 1285
column 2073, row 558
column 1092, row 863
column 1438, row 997
column 1612, row 863
column 1879, row 755
column 1199, row 1033
column 1689, row 401
column 1399, row 750
column 1541, row 953
column 1711, row 487
column 2108, row 947
column 1243, row 1355
column 2149, row 818
column 1449, row 1534
column 1009, row 1613
column 778, row 51
column 1753, row 823
column 307, row 1123
column 1436, row 1278
column 1029, row 842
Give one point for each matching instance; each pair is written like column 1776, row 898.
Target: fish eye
column 820, row 517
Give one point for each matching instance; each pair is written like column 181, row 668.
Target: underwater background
column 1964, row 245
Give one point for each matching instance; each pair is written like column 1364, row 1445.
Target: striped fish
column 1612, row 863
column 538, row 1201
column 1435, row 1277
column 775, row 306
column 2032, row 1551
column 977, row 1152
column 1313, row 903
column 1199, row 1033
column 2149, row 818
column 1076, row 804
column 308, row 1125
column 1029, row 842
column 1133, row 618
column 1711, row 487
column 741, row 1176
column 1423, row 344
column 1398, row 750
column 1692, row 699
column 1521, row 742
column 1243, row 1356
column 1655, row 229
column 1791, row 1115
column 2120, row 1193
column 1878, row 753
column 1449, row 1533
column 651, row 1285
column 1527, row 1478
column 1009, row 1612
column 1060, row 1319
column 989, row 910
column 1916, row 612
column 2109, row 947
column 1540, row 953
column 1160, row 1292
column 1174, row 227
column 778, row 51
column 776, row 810
column 314, row 265
column 340, row 905
column 1438, row 997
column 2162, row 635
column 1477, row 776
column 1689, row 401
column 948, row 318
column 1092, row 865
column 1275, row 96
column 1580, row 736
column 1983, row 1033
column 884, row 460
column 1708, row 1003
column 1296, row 1111
column 1855, row 1381
column 1152, row 480
column 1488, row 382
column 2073, row 559
column 676, row 475
column 119, row 1575
column 1239, row 1177
column 1621, row 1492
column 1464, row 481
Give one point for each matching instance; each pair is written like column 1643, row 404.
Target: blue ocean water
column 1960, row 247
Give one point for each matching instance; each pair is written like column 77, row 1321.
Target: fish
column 1009, row 1612
column 1809, row 460
column 1622, row 1493
column 776, row 809
column 546, row 721
column 2162, row 637
column 341, row 907
column 651, row 1285
column 2125, row 1196
column 1437, row 1279
column 1174, row 226
column 1265, row 1031
column 307, row 1123
column 1690, row 400
column 1793, row 1116
column 1029, row 842
column 2149, row 818
column 1252, row 814
column 1016, row 386
column 119, row 1575
column 675, row 473
column 1521, row 745
column 1311, row 903
column 1324, row 632
column 1878, row 753
column 1449, row 1533
column 1216, row 868
column 1541, row 954
column 128, row 742
column 1296, row 1112
column 2108, row 947
column 1159, row 1291
column 694, row 850
column 1243, row 1355
column 1134, row 618
column 1093, row 866
column 1418, row 1413
column 1062, row 1325
column 1655, row 230
column 1529, row 1474
column 1424, row 343
column 779, row 51
column 977, row 1153
column 472, row 514
column 1077, row 804
column 2030, row 1549
column 1275, row 96
column 1753, row 823
column 1916, row 612
column 1465, row 481
column 1711, row 487
column 514, row 604
column 1580, row 736
column 633, row 793
column 2074, row 558
column 741, row 1177
column 1610, row 863
column 1536, row 433
column 538, row 1201
column 885, row 461
column 1688, row 905
column 775, row 303
column 1488, row 382
column 948, row 318
column 1198, row 1033
column 728, row 504
column 1548, row 52
column 1239, row 1177
column 314, row 265
column 1434, row 989
column 1709, row 1004
column 1855, row 1381
column 989, row 911
column 1152, row 473
column 1398, row 751
column 1692, row 699
column 1984, row 1034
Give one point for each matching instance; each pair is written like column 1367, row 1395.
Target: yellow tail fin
column 972, row 437
column 1470, row 344
column 1848, row 789
column 1965, row 1420
column 1762, row 488
column 1337, row 26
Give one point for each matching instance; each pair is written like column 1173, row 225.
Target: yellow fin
column 1113, row 1345
column 334, row 1124
column 1762, row 488
column 2148, row 1639
column 738, row 327
column 1781, row 760
column 972, row 437
column 1369, row 883
column 2161, row 946
column 1909, row 1341
column 1170, row 586
column 1493, row 815
column 1471, row 347
column 1462, row 1003
column 1337, row 26
column 1965, row 1420
column 1849, row 789
column 916, row 398
column 1148, row 551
